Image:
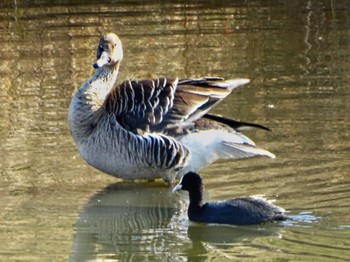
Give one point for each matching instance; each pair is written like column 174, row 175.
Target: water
column 54, row 207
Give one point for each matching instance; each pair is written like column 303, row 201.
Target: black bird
column 238, row 211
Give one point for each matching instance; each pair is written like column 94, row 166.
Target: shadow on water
column 129, row 221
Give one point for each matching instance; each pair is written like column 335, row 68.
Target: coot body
column 238, row 211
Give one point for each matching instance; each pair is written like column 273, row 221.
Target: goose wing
column 139, row 105
column 163, row 103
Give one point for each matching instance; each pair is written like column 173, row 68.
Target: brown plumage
column 153, row 128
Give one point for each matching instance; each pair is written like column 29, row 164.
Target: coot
column 238, row 211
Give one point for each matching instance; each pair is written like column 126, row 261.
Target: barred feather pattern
column 138, row 105
column 135, row 105
column 146, row 151
column 155, row 105
column 121, row 153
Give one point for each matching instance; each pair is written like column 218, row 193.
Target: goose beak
column 103, row 60
column 178, row 187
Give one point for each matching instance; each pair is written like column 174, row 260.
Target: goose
column 238, row 211
column 149, row 129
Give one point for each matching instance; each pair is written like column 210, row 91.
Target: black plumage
column 238, row 211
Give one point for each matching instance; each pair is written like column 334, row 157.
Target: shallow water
column 55, row 207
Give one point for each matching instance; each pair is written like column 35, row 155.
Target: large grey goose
column 153, row 128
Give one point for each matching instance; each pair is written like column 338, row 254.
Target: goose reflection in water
column 128, row 221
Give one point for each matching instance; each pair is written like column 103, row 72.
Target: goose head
column 109, row 51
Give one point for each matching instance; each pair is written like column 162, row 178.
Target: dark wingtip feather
column 237, row 125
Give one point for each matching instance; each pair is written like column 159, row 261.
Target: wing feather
column 159, row 104
column 137, row 105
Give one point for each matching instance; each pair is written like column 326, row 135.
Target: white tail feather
column 231, row 83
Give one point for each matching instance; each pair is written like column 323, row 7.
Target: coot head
column 189, row 182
